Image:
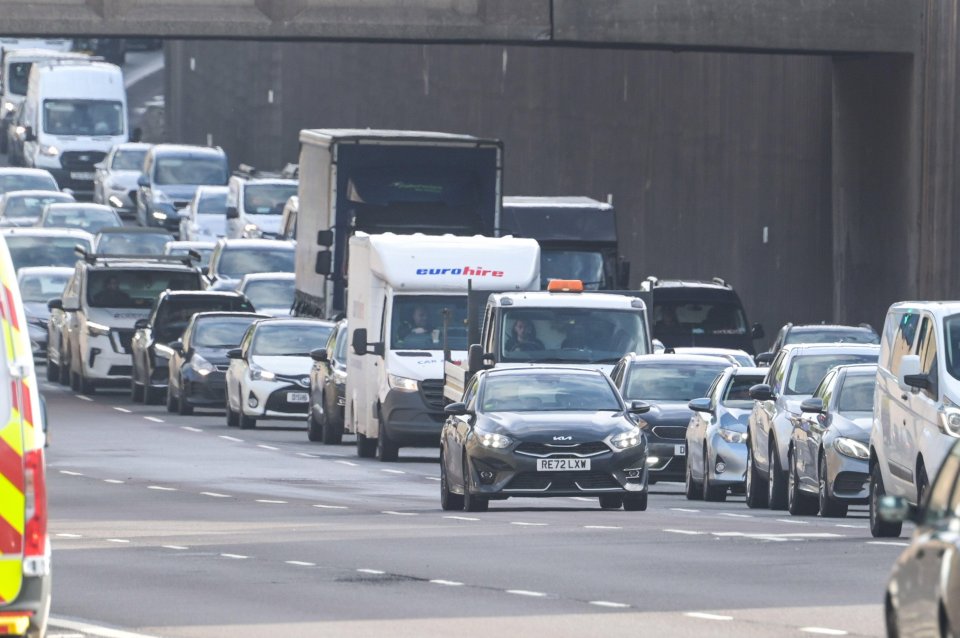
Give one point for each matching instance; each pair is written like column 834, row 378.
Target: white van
column 916, row 409
column 74, row 113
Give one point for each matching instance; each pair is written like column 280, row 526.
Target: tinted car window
column 537, row 392
column 129, row 160
column 133, row 243
column 212, row 203
column 31, row 205
column 44, row 251
column 43, row 288
column 807, row 370
column 685, row 318
column 270, row 293
column 738, row 390
column 938, row 499
column 267, row 199
column 670, row 381
column 831, row 335
column 237, row 262
column 90, row 220
column 174, row 314
column 27, row 183
column 289, row 339
column 340, row 353
column 137, row 288
column 83, row 117
column 220, row 332
column 189, row 170
column 856, row 394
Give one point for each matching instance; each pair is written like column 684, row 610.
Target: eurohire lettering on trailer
column 466, row 271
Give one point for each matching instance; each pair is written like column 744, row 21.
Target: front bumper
column 204, row 390
column 169, row 220
column 120, row 201
column 271, row 400
column 509, row 473
column 408, row 420
column 82, row 188
column 102, row 361
column 734, row 459
column 667, row 454
column 847, row 478
column 38, row 339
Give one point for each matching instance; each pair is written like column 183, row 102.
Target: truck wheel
column 387, row 449
column 366, row 448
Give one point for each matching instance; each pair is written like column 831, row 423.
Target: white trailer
column 407, row 299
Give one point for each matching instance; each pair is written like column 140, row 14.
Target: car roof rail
column 189, row 259
column 720, row 282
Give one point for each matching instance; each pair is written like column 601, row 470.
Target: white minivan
column 74, row 113
column 916, row 408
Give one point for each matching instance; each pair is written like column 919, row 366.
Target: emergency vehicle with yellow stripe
column 24, row 545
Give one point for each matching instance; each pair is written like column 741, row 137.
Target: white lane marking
column 705, row 616
column 375, row 572
column 601, row 527
column 308, row 456
column 161, row 488
column 448, row 583
column 688, row 532
column 823, row 631
column 432, row 478
column 94, row 630
column 69, row 536
column 350, row 463
column 792, row 520
column 215, row 494
column 393, row 471
column 113, row 481
column 190, row 429
column 331, row 507
column 116, row 540
column 607, row 603
column 231, row 438
column 462, row 518
column 154, row 419
column 175, row 547
column 69, row 473
column 235, row 556
column 270, row 501
column 267, row 447
column 732, row 515
column 524, row 524
column 852, row 526
column 524, row 592
column 893, row 543
column 83, row 397
column 683, row 509
column 582, row 498
column 124, row 410
column 778, row 537
column 300, row 563
column 393, row 513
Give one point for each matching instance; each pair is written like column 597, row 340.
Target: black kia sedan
column 542, row 431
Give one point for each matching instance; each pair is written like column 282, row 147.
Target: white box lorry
column 407, row 300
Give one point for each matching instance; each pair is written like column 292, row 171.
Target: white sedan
column 269, row 374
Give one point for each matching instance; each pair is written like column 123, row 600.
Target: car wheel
column 635, row 502
column 247, row 422
column 314, row 429
column 172, row 404
column 692, row 489
column 471, row 502
column 332, row 432
column 880, row 528
column 829, row 506
column 755, row 488
column 922, row 484
column 75, row 381
column 233, row 419
column 64, row 370
column 53, row 372
column 713, row 493
column 183, row 404
column 136, row 390
column 776, row 481
column 891, row 619
column 448, row 500
column 85, row 385
column 366, row 448
column 153, row 396
column 387, row 449
column 611, row 501
column 798, row 503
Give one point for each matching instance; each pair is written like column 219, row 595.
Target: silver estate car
column 717, row 435
column 829, row 447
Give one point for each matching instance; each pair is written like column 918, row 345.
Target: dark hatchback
column 199, row 361
column 328, row 388
column 541, row 432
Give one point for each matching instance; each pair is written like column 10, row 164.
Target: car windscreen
column 212, row 204
column 737, row 393
column 831, row 335
column 90, row 220
column 806, row 371
column 41, row 288
column 670, row 381
column 16, row 78
column 83, row 117
column 175, row 312
column 133, row 243
column 571, row 335
column 678, row 318
column 585, row 265
column 267, row 199
column 220, row 332
column 951, row 334
column 35, row 182
column 183, row 252
column 856, row 394
column 135, row 288
column 128, row 160
column 237, row 262
column 340, row 352
column 26, row 250
column 417, row 322
column 270, row 293
column 530, row 392
column 289, row 339
column 30, row 206
column 189, row 170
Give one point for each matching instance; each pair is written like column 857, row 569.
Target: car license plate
column 298, row 397
column 82, row 176
column 679, row 450
column 563, row 465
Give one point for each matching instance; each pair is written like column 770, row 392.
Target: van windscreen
column 83, row 117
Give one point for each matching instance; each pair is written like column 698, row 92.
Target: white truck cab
column 406, row 301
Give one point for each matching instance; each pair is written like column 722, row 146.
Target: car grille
column 223, row 368
column 575, row 450
column 80, row 160
column 432, row 392
column 850, row 482
column 302, row 380
column 278, row 401
column 120, row 371
column 121, row 339
column 562, row 482
column 678, row 432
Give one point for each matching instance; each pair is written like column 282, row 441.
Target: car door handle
column 904, row 396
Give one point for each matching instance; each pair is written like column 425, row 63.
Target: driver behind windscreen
column 420, row 334
column 523, row 337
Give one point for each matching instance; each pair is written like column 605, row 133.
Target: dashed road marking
column 704, row 616
column 852, row 526
column 350, row 463
column 684, row 509
column 388, row 471
column 525, row 524
column 267, row 447
column 432, row 478
column 69, row 473
column 300, row 563
column 88, row 629
column 124, row 410
column 525, row 592
column 175, row 547
column 393, row 513
column 823, row 631
column 113, row 481
column 161, row 488
column 235, row 556
column 308, row 455
column 215, row 494
column 270, row 501
column 331, row 507
column 792, row 520
column 601, row 527
column 231, row 438
column 69, row 535
column 154, row 419
column 607, row 603
column 190, row 429
column 688, row 532
column 116, row 540
column 732, row 515
column 84, row 397
column 448, row 583
column 462, row 518
column 375, row 572
column 582, row 498
column 892, row 543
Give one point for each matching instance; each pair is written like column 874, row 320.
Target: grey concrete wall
column 700, row 151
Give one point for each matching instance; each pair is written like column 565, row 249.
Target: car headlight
column 853, row 449
column 49, row 151
column 97, row 329
column 493, row 440
column 950, row 421
column 732, row 436
column 202, row 366
column 626, row 440
column 158, row 215
column 402, row 383
column 259, row 374
column 9, row 107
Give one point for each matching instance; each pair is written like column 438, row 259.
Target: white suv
column 916, row 409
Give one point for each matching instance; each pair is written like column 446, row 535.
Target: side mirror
column 455, row 409
column 205, row 270
column 319, row 355
column 658, row 347
column 893, row 509
column 324, row 263
column 235, row 353
column 764, row 359
column 757, row 332
column 141, row 324
column 361, row 346
column 639, row 407
column 28, row 134
column 143, row 180
column 700, row 405
column 232, row 212
column 761, row 392
column 475, row 357
column 177, row 346
column 909, row 368
column 325, row 238
column 55, row 304
column 812, row 405
column 918, row 381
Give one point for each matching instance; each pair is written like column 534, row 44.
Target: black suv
column 150, row 348
column 818, row 333
column 698, row 313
